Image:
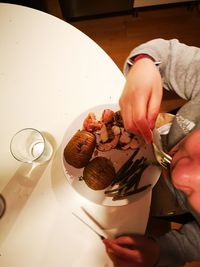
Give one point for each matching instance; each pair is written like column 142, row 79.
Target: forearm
column 179, row 247
column 179, row 66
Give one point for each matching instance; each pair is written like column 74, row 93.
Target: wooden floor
column 118, row 35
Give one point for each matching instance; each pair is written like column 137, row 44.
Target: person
column 149, row 68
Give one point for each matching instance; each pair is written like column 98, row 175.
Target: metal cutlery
column 89, row 226
column 163, row 158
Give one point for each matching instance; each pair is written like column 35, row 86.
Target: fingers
column 141, row 98
column 135, row 250
column 125, row 241
column 154, row 106
column 128, row 120
column 144, row 129
column 118, row 250
column 132, row 241
column 134, row 116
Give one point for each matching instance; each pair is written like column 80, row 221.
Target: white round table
column 50, row 72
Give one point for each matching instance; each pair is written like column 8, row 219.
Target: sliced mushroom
column 103, row 134
column 125, row 137
column 108, row 145
column 116, row 130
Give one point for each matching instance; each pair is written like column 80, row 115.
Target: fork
column 162, row 158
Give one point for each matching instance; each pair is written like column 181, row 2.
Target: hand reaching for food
column 141, row 98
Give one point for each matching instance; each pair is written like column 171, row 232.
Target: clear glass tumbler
column 29, row 146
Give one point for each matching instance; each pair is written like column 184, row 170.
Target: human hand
column 141, row 98
column 134, row 250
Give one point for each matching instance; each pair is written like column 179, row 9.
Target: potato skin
column 99, row 173
column 80, row 148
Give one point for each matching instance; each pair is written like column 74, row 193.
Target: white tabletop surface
column 50, row 72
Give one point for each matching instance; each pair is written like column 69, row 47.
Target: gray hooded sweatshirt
column 180, row 71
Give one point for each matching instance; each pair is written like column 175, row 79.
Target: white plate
column 118, row 157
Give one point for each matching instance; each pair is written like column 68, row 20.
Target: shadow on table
column 60, row 185
column 17, row 192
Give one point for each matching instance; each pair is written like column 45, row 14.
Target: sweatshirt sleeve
column 179, row 247
column 179, row 66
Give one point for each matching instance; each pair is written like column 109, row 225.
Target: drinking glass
column 30, row 146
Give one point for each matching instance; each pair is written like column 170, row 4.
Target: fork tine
column 166, row 156
column 167, row 160
column 163, row 159
column 164, row 164
column 162, row 153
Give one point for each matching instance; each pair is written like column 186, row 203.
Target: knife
column 80, row 219
column 92, row 218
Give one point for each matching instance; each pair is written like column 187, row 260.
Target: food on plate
column 99, row 173
column 127, row 178
column 87, row 149
column 91, row 124
column 110, row 131
column 80, row 148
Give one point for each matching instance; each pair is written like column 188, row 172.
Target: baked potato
column 80, row 148
column 99, row 173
